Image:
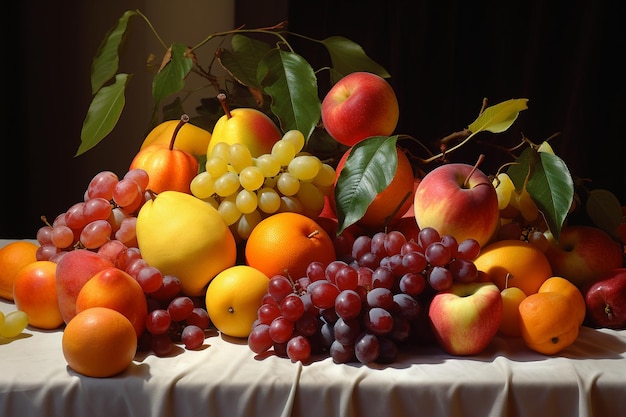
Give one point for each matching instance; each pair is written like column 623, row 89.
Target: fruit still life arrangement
column 299, row 220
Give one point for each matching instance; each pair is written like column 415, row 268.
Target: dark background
column 443, row 57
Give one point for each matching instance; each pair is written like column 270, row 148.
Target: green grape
column 227, row 184
column 504, row 187
column 284, row 151
column 247, row 223
column 220, row 150
column 326, row 176
column 251, row 178
column 288, row 184
column 14, row 323
column 228, row 210
column 268, row 164
column 246, row 201
column 296, row 137
column 216, row 166
column 239, row 156
column 312, row 199
column 268, row 200
column 304, row 167
column 202, row 185
column 211, row 201
column 290, row 204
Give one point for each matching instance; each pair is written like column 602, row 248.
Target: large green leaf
column 549, row 183
column 291, row 83
column 347, row 57
column 368, row 170
column 104, row 112
column 499, row 117
column 171, row 79
column 106, row 61
column 243, row 61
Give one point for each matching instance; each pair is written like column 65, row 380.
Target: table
column 225, row 378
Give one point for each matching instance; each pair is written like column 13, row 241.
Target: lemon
column 233, row 298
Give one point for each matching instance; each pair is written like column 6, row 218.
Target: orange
column 394, row 200
column 99, row 342
column 547, row 323
column 35, row 293
column 13, row 257
column 510, row 324
column 514, row 263
column 233, row 298
column 571, row 292
column 286, row 243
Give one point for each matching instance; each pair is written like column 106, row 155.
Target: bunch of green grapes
column 246, row 189
column 519, row 215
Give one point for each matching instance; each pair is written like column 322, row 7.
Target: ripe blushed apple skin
column 358, row 106
column 466, row 317
column 442, row 202
column 249, row 126
column 606, row 300
column 73, row 271
column 584, row 253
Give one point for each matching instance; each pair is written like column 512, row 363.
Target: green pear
column 245, row 125
column 184, row 236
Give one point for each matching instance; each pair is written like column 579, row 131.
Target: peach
column 72, row 272
column 116, row 289
column 35, row 293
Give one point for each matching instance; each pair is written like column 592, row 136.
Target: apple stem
column 313, row 233
column 183, row 119
column 222, row 98
column 481, row 158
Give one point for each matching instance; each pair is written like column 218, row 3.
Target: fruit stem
column 222, row 98
column 183, row 119
column 481, row 158
column 313, row 233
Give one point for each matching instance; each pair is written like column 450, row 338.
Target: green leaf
column 171, row 79
column 104, row 112
column 604, row 209
column 549, row 183
column 243, row 61
column 499, row 117
column 291, row 83
column 368, row 170
column 106, row 61
column 347, row 57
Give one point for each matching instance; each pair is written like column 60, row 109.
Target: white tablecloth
column 225, row 378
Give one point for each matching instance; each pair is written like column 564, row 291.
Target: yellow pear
column 245, row 125
column 190, row 138
column 185, row 237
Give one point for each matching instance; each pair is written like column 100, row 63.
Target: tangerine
column 13, row 257
column 394, row 201
column 99, row 342
column 569, row 290
column 547, row 323
column 514, row 263
column 286, row 243
column 233, row 298
column 35, row 293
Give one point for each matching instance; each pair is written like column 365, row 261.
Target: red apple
column 584, row 253
column 73, row 270
column 358, row 106
column 606, row 300
column 466, row 317
column 449, row 202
